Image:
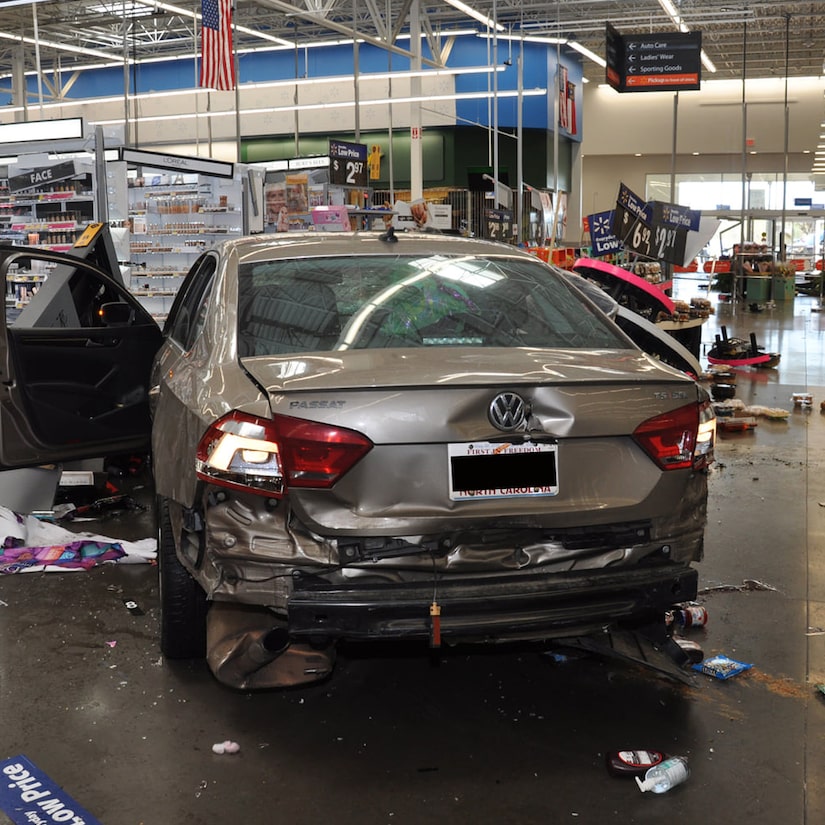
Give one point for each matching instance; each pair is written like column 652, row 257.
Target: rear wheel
column 182, row 600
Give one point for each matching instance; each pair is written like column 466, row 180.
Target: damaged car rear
column 368, row 437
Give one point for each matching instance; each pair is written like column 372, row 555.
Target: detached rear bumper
column 520, row 607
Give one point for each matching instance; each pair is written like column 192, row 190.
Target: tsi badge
column 508, row 412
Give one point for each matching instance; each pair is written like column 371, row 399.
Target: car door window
column 187, row 316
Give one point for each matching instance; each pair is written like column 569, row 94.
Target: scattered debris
column 28, row 544
column 663, row 777
column 721, row 667
column 629, row 763
column 561, row 658
column 691, row 615
column 736, row 352
column 736, row 408
column 75, row 555
column 111, row 643
column 748, row 585
column 133, row 607
column 692, row 650
column 802, row 399
column 98, row 507
column 28, row 795
column 722, row 392
column 737, row 424
column 226, row 747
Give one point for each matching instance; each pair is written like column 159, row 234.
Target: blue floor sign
column 29, row 797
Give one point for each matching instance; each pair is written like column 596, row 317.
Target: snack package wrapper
column 721, row 667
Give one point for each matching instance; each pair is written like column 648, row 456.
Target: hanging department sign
column 347, row 163
column 661, row 62
column 42, row 177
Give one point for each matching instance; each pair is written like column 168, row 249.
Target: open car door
column 74, row 362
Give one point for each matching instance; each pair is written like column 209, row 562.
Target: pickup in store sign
column 658, row 62
column 43, row 177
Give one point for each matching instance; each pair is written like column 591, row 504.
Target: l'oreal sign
column 178, row 163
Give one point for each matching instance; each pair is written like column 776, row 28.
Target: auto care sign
column 29, row 797
column 658, row 62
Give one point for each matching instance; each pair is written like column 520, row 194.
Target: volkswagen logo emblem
column 508, row 411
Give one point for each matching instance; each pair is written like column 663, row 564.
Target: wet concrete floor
column 398, row 737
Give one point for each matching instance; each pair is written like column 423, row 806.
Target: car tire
column 183, row 602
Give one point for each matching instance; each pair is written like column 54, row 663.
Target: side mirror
column 116, row 314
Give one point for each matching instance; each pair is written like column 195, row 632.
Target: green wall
column 448, row 154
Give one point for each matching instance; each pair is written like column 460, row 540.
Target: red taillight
column 670, row 438
column 317, row 455
column 268, row 456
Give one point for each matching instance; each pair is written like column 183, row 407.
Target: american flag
column 217, row 59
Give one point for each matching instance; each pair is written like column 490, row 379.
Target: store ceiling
column 758, row 38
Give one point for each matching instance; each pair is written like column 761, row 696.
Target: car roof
column 290, row 244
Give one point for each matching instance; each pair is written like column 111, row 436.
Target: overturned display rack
column 737, row 352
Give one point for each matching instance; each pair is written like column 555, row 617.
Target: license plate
column 484, row 469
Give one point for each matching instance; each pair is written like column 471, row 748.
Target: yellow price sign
column 89, row 234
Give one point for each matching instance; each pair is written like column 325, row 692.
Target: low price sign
column 347, row 164
column 654, row 230
column 29, row 797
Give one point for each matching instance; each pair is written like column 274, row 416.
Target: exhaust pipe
column 246, row 651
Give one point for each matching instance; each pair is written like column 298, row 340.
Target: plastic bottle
column 661, row 778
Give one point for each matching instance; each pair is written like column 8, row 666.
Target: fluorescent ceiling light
column 587, row 53
column 439, row 33
column 39, row 42
column 156, row 4
column 707, row 62
column 673, row 13
column 476, row 15
column 549, row 41
column 525, row 38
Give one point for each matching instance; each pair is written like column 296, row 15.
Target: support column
column 575, row 207
column 416, row 151
column 18, row 83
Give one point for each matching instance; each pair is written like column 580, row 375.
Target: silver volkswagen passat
column 374, row 437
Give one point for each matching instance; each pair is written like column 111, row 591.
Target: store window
column 764, row 205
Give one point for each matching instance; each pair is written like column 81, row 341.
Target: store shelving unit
column 51, row 212
column 171, row 223
column 52, row 216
